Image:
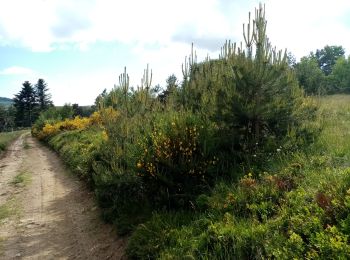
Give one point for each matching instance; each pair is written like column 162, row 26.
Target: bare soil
column 52, row 214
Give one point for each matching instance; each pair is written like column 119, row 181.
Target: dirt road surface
column 45, row 212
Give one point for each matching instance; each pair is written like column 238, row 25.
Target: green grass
column 8, row 209
column 26, row 145
column 21, row 179
column 7, row 137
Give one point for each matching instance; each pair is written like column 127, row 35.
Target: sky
column 80, row 47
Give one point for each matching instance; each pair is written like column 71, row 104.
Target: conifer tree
column 250, row 92
column 25, row 104
column 43, row 98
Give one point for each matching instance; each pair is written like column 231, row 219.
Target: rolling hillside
column 5, row 101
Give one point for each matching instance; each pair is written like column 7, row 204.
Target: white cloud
column 304, row 26
column 17, row 70
column 159, row 32
column 43, row 25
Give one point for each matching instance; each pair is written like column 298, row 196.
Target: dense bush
column 177, row 157
column 78, row 149
column 253, row 96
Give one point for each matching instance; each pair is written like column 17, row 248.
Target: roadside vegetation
column 236, row 161
column 7, row 137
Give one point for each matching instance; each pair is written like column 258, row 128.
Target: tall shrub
column 251, row 93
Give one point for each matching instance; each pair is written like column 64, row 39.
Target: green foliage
column 163, row 230
column 177, row 157
column 7, row 137
column 251, row 94
column 328, row 56
column 25, row 104
column 170, row 167
column 78, row 149
column 315, row 72
column 52, row 115
column 300, row 211
column 341, row 75
column 43, row 98
column 311, row 77
column 30, row 101
column 121, row 198
column 7, row 118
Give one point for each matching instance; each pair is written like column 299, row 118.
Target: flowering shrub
column 77, row 123
column 176, row 154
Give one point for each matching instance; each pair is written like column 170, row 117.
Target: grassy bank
column 7, row 137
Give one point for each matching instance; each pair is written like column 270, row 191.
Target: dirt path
column 46, row 213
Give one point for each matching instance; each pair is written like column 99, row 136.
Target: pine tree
column 25, row 104
column 43, row 98
column 250, row 92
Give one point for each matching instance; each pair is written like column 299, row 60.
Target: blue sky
column 81, row 46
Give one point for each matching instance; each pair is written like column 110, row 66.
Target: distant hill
column 5, row 101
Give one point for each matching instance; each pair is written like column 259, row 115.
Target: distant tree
column 3, row 116
column 77, row 110
column 172, row 82
column 310, row 76
column 66, row 111
column 291, row 59
column 341, row 75
column 43, row 98
column 100, row 98
column 328, row 56
column 25, row 104
column 7, row 118
column 10, row 119
column 171, row 85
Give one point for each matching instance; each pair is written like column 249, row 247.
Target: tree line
column 325, row 71
column 27, row 105
column 32, row 101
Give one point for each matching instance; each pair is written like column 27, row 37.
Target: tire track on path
column 58, row 218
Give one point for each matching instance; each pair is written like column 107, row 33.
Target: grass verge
column 7, row 137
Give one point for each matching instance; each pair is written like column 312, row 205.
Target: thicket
column 152, row 154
